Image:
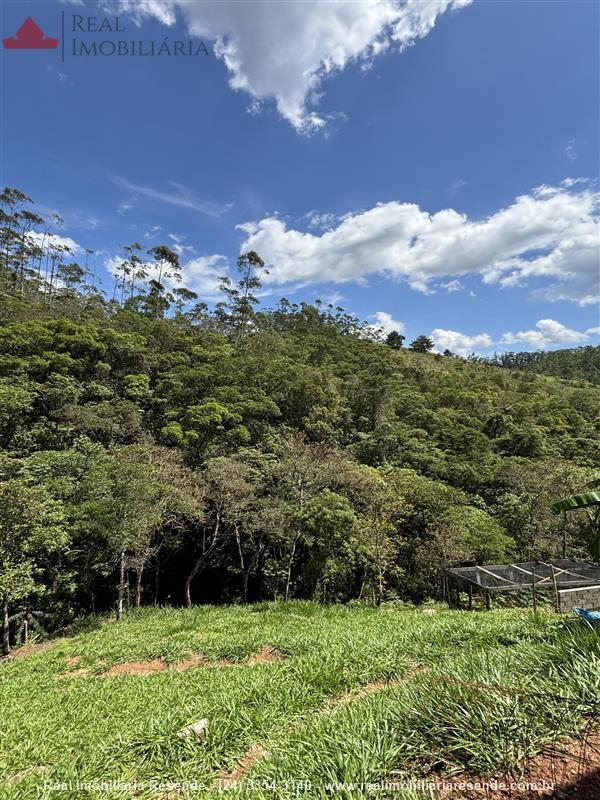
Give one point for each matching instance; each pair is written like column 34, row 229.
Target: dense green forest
column 156, row 450
column 574, row 363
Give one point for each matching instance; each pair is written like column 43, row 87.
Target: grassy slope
column 123, row 728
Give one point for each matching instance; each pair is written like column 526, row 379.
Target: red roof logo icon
column 30, row 37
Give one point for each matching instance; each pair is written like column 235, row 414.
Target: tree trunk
column 137, row 598
column 186, row 591
column 379, row 587
column 206, row 551
column 156, row 573
column 238, row 540
column 288, row 579
column 189, row 579
column 5, row 627
column 245, row 587
column 121, row 588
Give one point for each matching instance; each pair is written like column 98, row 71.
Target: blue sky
column 432, row 167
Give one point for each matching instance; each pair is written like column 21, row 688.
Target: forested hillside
column 156, row 450
column 578, row 363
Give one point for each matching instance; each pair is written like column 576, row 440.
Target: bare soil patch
column 136, row 668
column 222, row 662
column 82, row 672
column 145, row 668
column 31, row 649
column 268, row 654
column 188, row 663
column 374, row 686
column 254, row 754
column 362, row 692
column 257, row 752
column 569, row 768
column 22, row 773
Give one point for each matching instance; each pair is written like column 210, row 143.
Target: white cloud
column 200, row 274
column 320, row 221
column 570, row 150
column 54, row 240
column 550, row 234
column 179, row 245
column 112, row 264
column 452, row 286
column 127, row 205
column 176, row 195
column 284, row 51
column 458, row 184
column 332, row 298
column 548, row 332
column 459, row 343
column 384, row 321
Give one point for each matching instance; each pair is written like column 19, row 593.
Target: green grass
column 429, row 721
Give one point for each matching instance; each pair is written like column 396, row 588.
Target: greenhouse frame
column 564, row 573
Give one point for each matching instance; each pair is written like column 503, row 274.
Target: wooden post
column 458, row 595
column 533, row 588
column 487, row 601
column 470, row 598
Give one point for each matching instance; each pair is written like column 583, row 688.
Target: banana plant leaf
column 584, row 500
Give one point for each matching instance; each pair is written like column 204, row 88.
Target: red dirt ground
column 265, row 655
column 571, row 767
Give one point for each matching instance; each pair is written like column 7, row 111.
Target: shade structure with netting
column 564, row 573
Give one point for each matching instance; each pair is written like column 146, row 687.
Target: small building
column 573, row 583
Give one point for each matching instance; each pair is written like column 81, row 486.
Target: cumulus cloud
column 284, row 51
column 548, row 332
column 385, row 323
column 550, row 235
column 324, row 221
column 200, row 274
column 459, row 343
column 55, row 241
